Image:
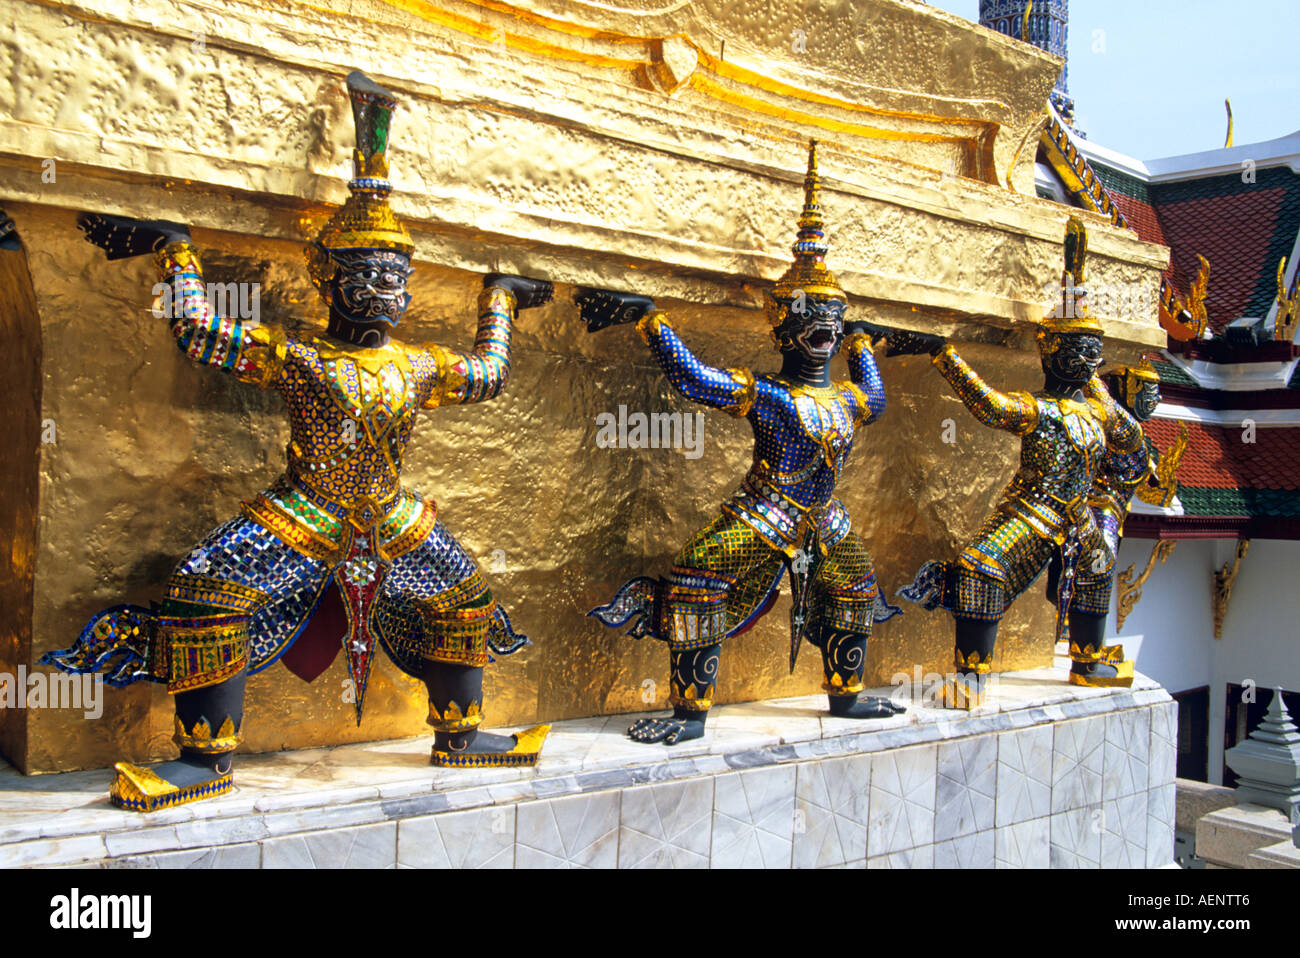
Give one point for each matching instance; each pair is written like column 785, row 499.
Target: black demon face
column 1146, row 401
column 813, row 328
column 1073, row 358
column 369, row 286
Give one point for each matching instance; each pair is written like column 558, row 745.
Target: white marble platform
column 1043, row 775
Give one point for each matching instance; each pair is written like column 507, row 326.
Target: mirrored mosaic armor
column 338, row 525
column 784, row 516
column 340, row 513
column 1137, row 390
column 1076, row 442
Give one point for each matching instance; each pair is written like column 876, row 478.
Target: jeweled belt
column 364, row 515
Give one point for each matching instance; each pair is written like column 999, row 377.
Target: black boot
column 975, row 639
column 693, row 679
column 844, row 659
column 208, row 726
column 1091, row 663
column 456, row 711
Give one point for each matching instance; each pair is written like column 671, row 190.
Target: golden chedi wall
column 659, row 148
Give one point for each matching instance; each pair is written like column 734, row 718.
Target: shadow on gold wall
column 20, row 397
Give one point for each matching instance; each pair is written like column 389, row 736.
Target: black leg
column 693, row 674
column 844, row 659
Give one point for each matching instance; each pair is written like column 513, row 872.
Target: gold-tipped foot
column 1100, row 677
column 528, row 748
column 138, row 789
column 1113, row 654
column 960, row 693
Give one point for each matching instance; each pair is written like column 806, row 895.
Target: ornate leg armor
column 695, row 607
column 455, row 652
column 440, row 622
column 846, row 603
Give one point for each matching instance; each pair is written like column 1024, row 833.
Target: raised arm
column 731, row 390
column 1015, row 412
column 253, row 352
column 478, row 375
column 1124, row 433
column 865, row 376
column 481, row 374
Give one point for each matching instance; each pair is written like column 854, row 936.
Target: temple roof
column 1242, row 228
column 1235, row 397
column 1235, row 478
column 1239, row 207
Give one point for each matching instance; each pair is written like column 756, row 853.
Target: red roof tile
column 1218, row 457
column 1141, row 216
column 1235, row 233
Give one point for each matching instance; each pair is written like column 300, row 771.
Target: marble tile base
column 1042, row 775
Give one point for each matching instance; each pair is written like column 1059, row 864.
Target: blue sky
column 1149, row 77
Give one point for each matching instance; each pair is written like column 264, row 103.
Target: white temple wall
column 1261, row 631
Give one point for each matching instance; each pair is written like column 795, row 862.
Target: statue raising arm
column 251, row 351
column 481, row 374
column 731, row 390
column 869, row 389
column 1016, row 412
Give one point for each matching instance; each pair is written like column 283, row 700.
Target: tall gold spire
column 808, row 274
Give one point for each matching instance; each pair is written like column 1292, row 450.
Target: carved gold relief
column 1130, row 589
column 1223, row 581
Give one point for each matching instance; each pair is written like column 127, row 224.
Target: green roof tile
column 1174, row 375
column 1280, row 503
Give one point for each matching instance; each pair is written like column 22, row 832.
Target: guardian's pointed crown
column 808, row 273
column 1071, row 313
column 365, row 221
